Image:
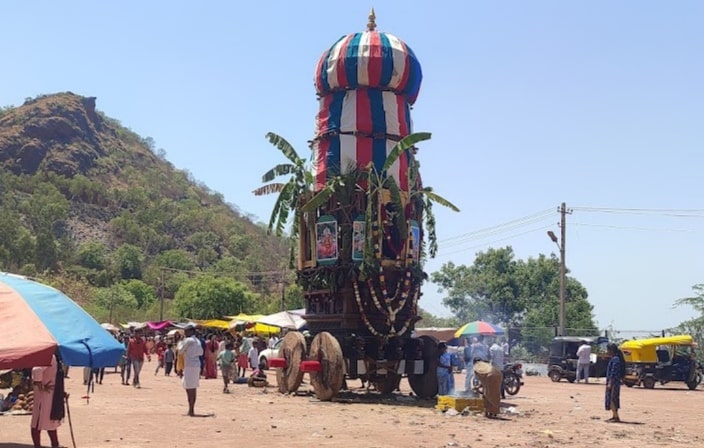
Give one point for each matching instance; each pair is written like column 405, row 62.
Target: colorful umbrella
column 478, row 327
column 38, row 318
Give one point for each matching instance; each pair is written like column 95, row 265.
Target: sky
column 596, row 104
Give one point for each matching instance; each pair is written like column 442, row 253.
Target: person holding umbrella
column 49, row 395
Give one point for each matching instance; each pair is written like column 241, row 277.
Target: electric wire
column 646, row 229
column 498, row 229
column 488, row 243
column 674, row 213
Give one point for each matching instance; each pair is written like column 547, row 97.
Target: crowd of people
column 190, row 354
column 193, row 355
column 485, row 364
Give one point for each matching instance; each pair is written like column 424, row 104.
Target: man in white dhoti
column 192, row 351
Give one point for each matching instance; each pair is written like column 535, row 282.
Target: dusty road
column 543, row 414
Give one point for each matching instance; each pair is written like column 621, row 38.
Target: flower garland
column 368, row 324
column 375, row 238
column 389, row 312
column 414, row 304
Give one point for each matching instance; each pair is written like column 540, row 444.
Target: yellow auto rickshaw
column 663, row 360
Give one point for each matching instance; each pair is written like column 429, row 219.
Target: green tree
column 430, row 320
column 46, row 255
column 175, row 259
column 92, row 255
column 209, row 297
column 515, row 293
column 45, row 207
column 117, row 301
column 488, row 290
column 695, row 326
column 142, row 292
column 128, row 261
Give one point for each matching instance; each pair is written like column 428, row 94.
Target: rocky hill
column 78, row 190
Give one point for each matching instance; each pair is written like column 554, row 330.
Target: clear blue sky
column 598, row 104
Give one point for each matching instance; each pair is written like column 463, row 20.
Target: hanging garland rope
column 389, row 312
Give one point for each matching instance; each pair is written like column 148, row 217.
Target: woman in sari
column 491, row 379
column 211, row 357
column 615, row 371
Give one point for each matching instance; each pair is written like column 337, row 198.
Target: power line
column 494, row 241
column 675, row 213
column 498, row 229
column 646, row 229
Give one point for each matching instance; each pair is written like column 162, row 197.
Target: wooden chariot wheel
column 327, row 377
column 293, row 350
column 388, row 384
column 425, row 385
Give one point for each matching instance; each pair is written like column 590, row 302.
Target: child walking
column 226, row 361
column 160, row 350
column 169, row 357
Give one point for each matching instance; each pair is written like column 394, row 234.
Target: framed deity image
column 358, row 240
column 326, row 240
column 415, row 242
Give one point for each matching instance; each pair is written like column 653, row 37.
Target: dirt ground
column 543, row 414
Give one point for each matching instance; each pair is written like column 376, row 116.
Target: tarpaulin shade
column 39, row 318
column 213, row 323
column 160, row 325
column 239, row 322
column 285, row 319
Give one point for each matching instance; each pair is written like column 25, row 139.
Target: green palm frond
column 279, row 214
column 396, row 199
column 268, row 189
column 403, row 145
column 285, row 147
column 430, row 229
column 279, row 170
column 319, row 199
column 430, row 195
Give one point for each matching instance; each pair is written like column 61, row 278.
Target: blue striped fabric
column 389, row 63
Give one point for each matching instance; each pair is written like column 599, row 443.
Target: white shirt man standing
column 496, row 355
column 192, row 351
column 584, row 353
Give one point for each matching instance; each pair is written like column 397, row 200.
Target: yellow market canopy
column 218, row 324
column 257, row 328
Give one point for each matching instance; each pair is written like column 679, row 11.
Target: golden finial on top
column 371, row 26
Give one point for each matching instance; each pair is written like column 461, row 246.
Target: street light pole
column 563, row 280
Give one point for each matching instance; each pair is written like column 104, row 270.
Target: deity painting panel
column 326, row 240
column 358, row 240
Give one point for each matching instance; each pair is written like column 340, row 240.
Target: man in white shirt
column 496, row 354
column 273, row 339
column 192, row 351
column 584, row 353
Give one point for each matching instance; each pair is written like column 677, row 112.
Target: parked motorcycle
column 513, row 379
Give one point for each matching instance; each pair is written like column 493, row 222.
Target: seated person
column 258, row 377
column 6, row 403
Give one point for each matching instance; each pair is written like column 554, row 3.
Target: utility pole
column 563, row 280
column 563, row 269
column 161, row 298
